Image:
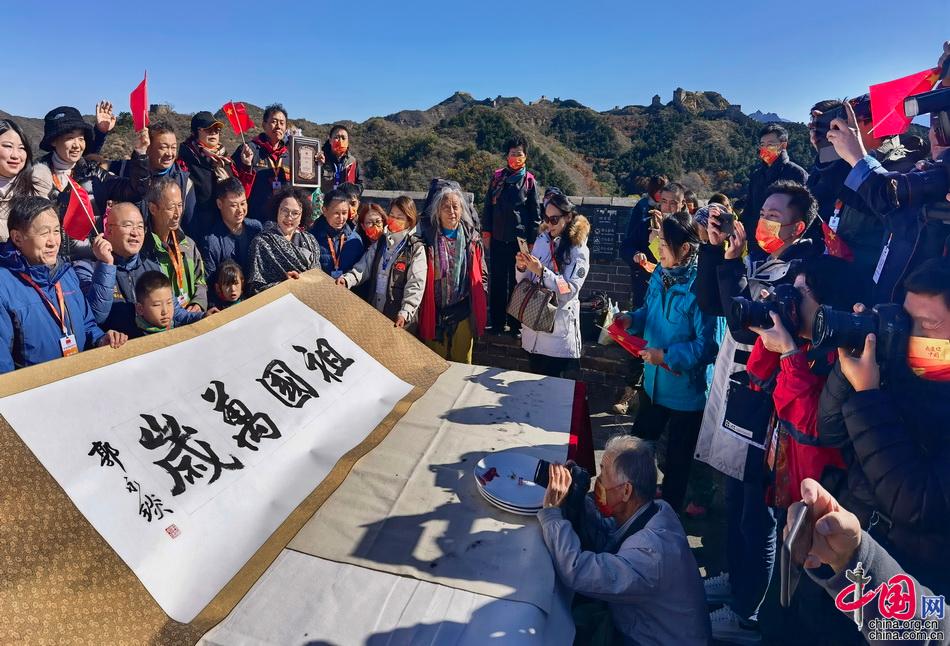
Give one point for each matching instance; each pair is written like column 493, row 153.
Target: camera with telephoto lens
column 928, row 187
column 888, row 321
column 784, row 300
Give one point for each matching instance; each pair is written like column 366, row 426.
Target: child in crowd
column 340, row 245
column 155, row 306
column 228, row 285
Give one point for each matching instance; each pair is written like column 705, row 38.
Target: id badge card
column 182, row 301
column 68, row 345
column 275, row 185
column 562, row 287
column 880, row 263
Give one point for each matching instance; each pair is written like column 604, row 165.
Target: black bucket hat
column 61, row 120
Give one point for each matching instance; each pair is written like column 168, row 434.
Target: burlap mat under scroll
column 61, row 583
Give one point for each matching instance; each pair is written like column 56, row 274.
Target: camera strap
column 639, row 523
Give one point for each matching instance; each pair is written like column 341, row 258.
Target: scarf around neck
column 148, row 328
column 680, row 274
column 450, row 267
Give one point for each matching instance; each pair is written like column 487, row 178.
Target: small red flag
column 138, row 105
column 835, row 245
column 78, row 222
column 887, row 101
column 237, row 117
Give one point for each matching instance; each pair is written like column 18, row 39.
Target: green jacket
column 194, row 288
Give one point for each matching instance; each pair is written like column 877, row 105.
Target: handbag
column 533, row 305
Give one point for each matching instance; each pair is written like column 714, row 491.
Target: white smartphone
column 523, row 245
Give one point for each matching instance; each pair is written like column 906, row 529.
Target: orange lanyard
column 174, row 256
column 61, row 314
column 334, row 252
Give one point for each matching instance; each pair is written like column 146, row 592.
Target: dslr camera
column 784, row 300
column 580, row 482
column 888, row 321
column 927, row 188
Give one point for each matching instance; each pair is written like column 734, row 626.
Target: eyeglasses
column 289, row 213
column 554, row 219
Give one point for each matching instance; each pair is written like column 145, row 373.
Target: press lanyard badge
column 562, row 286
column 882, row 260
column 68, row 345
column 835, row 219
column 182, row 300
column 275, row 185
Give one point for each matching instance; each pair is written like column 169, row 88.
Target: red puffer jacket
column 792, row 450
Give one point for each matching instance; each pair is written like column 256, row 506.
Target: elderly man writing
column 635, row 556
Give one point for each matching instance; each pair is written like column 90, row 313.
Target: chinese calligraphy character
column 152, row 507
column 284, row 384
column 108, row 456
column 183, row 449
column 330, row 362
column 932, row 606
column 258, row 426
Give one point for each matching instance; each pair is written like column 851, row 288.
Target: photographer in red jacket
column 794, row 373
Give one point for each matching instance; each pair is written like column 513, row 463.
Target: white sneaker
column 718, row 588
column 727, row 627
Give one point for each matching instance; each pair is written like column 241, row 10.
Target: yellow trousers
column 458, row 347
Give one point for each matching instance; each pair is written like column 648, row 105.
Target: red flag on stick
column 887, row 101
column 138, row 104
column 78, row 221
column 237, row 117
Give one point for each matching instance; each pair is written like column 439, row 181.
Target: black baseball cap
column 204, row 119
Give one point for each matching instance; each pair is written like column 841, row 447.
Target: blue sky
column 381, row 57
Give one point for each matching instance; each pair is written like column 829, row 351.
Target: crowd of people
column 752, row 364
column 800, row 347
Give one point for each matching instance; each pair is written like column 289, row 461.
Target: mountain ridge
column 699, row 138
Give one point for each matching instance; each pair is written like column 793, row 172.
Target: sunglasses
column 554, row 219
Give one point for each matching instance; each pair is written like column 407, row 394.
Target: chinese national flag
column 887, row 101
column 835, row 245
column 78, row 222
column 138, row 105
column 237, row 117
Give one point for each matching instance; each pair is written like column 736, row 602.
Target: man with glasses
column 625, row 555
column 109, row 284
column 774, row 166
column 512, row 211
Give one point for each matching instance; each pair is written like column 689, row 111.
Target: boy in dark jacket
column 154, row 306
column 512, row 211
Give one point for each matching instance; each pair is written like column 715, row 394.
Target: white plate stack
column 506, row 480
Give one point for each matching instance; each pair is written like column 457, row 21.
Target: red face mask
column 395, row 226
column 929, row 358
column 600, row 498
column 516, row 162
column 767, row 235
column 373, row 232
column 338, row 147
column 768, row 155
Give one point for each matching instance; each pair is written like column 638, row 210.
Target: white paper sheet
column 184, row 557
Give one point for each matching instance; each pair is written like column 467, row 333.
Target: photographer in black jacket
column 913, row 226
column 891, row 422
